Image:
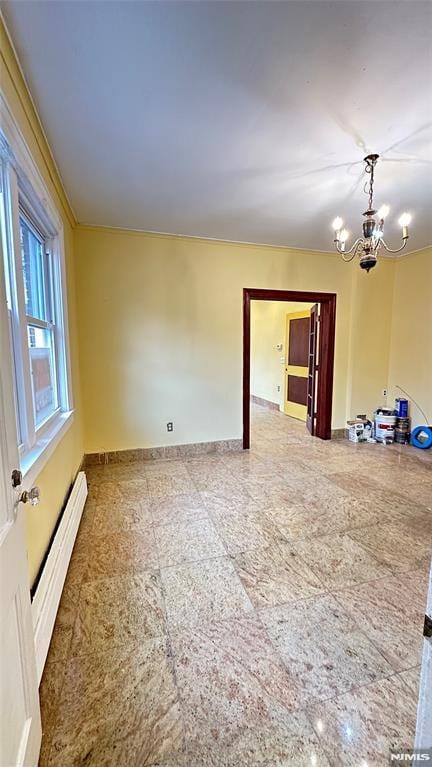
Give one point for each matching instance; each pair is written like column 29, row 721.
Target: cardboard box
column 356, row 432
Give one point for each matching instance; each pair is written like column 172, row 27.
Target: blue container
column 401, row 407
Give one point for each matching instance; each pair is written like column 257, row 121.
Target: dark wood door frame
column 327, row 303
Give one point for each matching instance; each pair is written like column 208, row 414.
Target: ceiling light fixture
column 367, row 247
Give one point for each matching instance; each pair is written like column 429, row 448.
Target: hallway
column 233, row 609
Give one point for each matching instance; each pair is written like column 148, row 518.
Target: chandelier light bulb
column 383, row 212
column 405, row 220
column 337, row 224
column 344, row 235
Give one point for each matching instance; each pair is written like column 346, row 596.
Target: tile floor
column 241, row 609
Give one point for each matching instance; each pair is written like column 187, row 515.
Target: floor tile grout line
column 369, row 553
column 365, row 634
column 351, row 690
column 173, row 669
column 332, row 697
column 285, row 542
column 173, row 661
column 168, row 641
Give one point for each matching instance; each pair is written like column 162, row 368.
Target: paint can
column 385, row 422
column 402, row 430
column 401, row 407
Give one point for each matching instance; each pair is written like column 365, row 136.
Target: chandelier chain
column 370, row 168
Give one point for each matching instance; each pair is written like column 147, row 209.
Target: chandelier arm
column 350, row 258
column 394, row 250
column 356, row 247
column 353, row 248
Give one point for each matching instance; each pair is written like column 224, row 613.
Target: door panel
column 20, row 733
column 296, row 370
column 298, row 341
column 312, row 368
column 297, row 387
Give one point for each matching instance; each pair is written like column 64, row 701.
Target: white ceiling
column 237, row 120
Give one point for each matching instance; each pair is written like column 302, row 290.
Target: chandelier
column 368, row 246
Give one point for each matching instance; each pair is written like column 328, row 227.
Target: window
column 40, row 319
column 32, row 250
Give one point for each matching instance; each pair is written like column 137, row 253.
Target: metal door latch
column 427, row 628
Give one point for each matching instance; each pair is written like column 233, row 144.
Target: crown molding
column 10, row 60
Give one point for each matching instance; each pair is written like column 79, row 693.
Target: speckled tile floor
column 241, row 609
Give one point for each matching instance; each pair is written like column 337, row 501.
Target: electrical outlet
column 170, row 426
column 278, row 388
column 384, row 391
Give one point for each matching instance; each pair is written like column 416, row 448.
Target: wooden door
column 296, row 365
column 20, row 733
column 312, row 368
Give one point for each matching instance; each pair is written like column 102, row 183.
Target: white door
column 423, row 739
column 20, row 724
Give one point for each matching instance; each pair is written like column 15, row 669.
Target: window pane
column 41, row 346
column 34, row 270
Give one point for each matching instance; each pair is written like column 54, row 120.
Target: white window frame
column 24, row 190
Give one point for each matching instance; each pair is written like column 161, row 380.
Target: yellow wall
column 54, row 481
column 411, row 337
column 160, row 329
column 369, row 341
column 268, row 328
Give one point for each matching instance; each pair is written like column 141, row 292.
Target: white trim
column 28, row 172
column 23, row 714
column 70, row 213
column 48, row 593
column 33, row 461
column 407, row 253
column 215, row 240
column 220, row 241
column 25, row 182
column 20, row 375
column 62, row 322
column 25, row 393
column 423, row 736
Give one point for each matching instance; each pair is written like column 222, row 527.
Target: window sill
column 34, row 461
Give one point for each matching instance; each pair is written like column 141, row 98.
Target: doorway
column 318, row 384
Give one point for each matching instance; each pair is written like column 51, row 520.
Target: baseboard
column 158, row 453
column 264, row 402
column 339, row 433
column 49, row 589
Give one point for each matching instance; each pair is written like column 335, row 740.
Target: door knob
column 30, row 496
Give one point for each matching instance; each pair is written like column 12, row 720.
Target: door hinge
column 427, row 628
column 16, row 478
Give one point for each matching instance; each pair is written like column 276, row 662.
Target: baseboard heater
column 50, row 586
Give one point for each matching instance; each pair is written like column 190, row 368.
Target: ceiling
column 236, row 120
